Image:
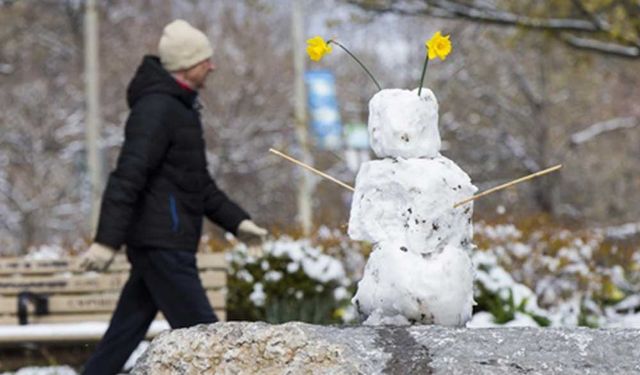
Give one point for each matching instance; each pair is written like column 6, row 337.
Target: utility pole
column 92, row 92
column 300, row 99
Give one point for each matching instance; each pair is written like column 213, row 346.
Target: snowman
column 419, row 271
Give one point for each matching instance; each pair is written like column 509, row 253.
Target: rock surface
column 299, row 348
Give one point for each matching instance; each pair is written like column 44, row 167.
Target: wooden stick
column 503, row 186
column 508, row 184
column 311, row 169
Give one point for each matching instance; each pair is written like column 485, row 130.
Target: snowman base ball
column 402, row 287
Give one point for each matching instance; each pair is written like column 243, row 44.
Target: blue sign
column 323, row 109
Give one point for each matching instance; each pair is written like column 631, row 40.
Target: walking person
column 156, row 197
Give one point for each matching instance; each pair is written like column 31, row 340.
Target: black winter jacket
column 160, row 190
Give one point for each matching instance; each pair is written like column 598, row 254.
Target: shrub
column 292, row 280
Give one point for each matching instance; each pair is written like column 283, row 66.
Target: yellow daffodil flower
column 438, row 46
column 317, row 48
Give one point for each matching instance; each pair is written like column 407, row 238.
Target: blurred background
column 527, row 86
column 515, row 96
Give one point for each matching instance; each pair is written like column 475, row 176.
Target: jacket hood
column 152, row 78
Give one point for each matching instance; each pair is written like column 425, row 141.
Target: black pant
column 165, row 280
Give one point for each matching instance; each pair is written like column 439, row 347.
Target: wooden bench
column 40, row 300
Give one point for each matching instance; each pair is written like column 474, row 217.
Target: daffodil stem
column 424, row 71
column 358, row 61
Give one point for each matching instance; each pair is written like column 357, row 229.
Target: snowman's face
column 402, row 124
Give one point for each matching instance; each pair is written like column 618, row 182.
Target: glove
column 253, row 236
column 250, row 233
column 97, row 258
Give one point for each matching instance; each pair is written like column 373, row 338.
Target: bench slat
column 103, row 302
column 14, row 265
column 88, row 282
column 86, row 317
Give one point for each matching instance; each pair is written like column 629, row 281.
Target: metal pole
column 92, row 92
column 300, row 97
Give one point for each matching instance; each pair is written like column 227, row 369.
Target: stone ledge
column 299, row 348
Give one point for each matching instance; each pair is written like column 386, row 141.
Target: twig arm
column 508, row 184
column 298, row 162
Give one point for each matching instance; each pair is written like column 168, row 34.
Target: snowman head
column 403, row 124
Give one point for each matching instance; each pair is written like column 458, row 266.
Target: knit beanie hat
column 182, row 46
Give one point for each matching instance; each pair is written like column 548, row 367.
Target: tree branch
column 597, row 22
column 598, row 46
column 500, row 17
column 453, row 9
column 590, row 24
column 603, row 127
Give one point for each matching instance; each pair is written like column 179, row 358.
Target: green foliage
column 295, row 296
column 586, row 319
column 504, row 310
column 501, row 310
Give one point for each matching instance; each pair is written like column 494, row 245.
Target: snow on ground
column 61, row 331
column 46, row 252
column 133, row 358
column 53, row 370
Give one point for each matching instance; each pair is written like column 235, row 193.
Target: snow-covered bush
column 292, row 280
column 528, row 273
column 537, row 273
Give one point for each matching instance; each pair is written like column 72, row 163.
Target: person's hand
column 253, row 236
column 97, row 258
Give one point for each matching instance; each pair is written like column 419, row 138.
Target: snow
column 521, row 320
column 303, row 255
column 624, row 321
column 137, row 353
column 273, row 276
column 403, row 124
column 630, row 303
column 495, row 278
column 51, row 370
column 340, row 293
column 318, row 266
column 438, row 289
column 257, row 296
column 499, row 232
column 419, row 270
column 484, row 319
column 45, row 252
column 65, row 330
column 412, row 197
column 623, row 231
column 293, row 267
column 245, row 275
